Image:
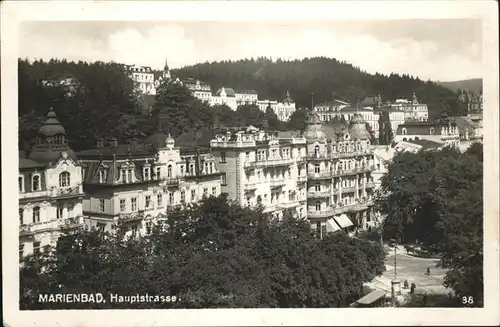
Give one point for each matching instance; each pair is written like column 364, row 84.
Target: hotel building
column 50, row 189
column 263, row 169
column 143, row 78
column 340, row 185
column 135, row 184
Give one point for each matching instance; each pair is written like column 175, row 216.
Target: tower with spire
column 166, row 71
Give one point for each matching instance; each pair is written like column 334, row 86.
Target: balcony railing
column 66, row 192
column 269, row 162
column 318, row 156
column 277, row 182
column 348, row 189
column 350, row 154
column 301, row 178
column 289, row 204
column 54, row 224
column 37, row 194
column 369, row 184
column 320, row 214
column 319, row 194
column 320, row 175
column 171, row 181
column 133, row 216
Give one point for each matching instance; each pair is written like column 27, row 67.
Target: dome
column 358, row 128
column 314, row 129
column 51, row 126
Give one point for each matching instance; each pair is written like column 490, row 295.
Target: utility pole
column 394, row 282
column 312, row 102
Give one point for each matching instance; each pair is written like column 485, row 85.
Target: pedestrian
column 405, row 285
column 425, row 299
column 412, row 289
column 428, row 272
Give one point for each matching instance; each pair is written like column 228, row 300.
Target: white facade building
column 143, row 78
column 50, row 189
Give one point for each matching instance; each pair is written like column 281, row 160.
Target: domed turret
column 358, row 128
column 51, row 126
column 51, row 143
column 314, row 130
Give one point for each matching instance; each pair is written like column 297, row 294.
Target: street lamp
column 394, row 283
column 379, row 232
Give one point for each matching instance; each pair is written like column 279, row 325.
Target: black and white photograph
column 196, row 155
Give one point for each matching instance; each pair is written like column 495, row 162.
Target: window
column 36, row 247
column 169, row 171
column 133, row 204
column 102, row 176
column 20, row 181
column 171, row 198
column 193, row 195
column 191, row 169
column 123, row 176
column 129, row 176
column 21, row 215
column 101, row 226
column 157, row 173
column 59, row 212
column 159, row 199
column 147, row 173
column 403, row 131
column 316, row 168
column 318, row 206
column 182, row 170
column 223, row 157
column 223, row 180
column 64, row 179
column 36, row 214
column 35, row 183
column 101, row 205
column 247, row 154
column 183, row 196
column 214, row 191
column 148, row 201
column 122, row 205
column 21, row 250
column 317, row 187
column 205, row 192
column 316, row 150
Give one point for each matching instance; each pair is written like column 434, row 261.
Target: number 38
column 467, row 300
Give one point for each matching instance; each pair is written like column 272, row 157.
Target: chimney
column 100, row 143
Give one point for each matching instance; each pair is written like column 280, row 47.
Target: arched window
column 35, row 183
column 318, row 205
column 21, row 214
column 20, row 181
column 64, row 179
column 36, row 214
column 169, row 171
column 403, row 130
column 316, row 150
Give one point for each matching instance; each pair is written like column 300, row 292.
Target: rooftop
column 425, row 144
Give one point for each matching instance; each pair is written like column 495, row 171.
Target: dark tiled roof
column 193, row 138
column 122, row 150
column 229, row 92
column 289, row 134
column 27, row 163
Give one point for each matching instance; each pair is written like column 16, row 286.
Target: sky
column 439, row 49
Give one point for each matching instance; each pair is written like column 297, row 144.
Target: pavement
column 412, row 269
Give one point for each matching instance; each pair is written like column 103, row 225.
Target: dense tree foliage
column 384, row 129
column 436, row 197
column 325, row 77
column 212, row 254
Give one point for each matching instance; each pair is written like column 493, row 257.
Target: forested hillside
column 324, row 77
column 474, row 85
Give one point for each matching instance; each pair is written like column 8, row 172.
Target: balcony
column 348, row 189
column 369, row 185
column 319, row 194
column 66, row 192
column 288, row 205
column 318, row 156
column 54, row 224
column 320, row 214
column 269, row 163
column 133, row 216
column 30, row 195
column 171, row 182
column 301, row 178
column 365, row 169
column 252, row 184
column 320, row 175
column 277, row 182
column 337, row 155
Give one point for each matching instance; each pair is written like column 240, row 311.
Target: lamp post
column 379, row 232
column 394, row 282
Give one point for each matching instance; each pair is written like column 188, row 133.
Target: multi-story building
column 413, row 110
column 143, row 78
column 263, row 169
column 444, row 132
column 327, row 111
column 282, row 109
column 135, row 184
column 340, row 185
column 225, row 95
column 474, row 102
column 246, row 97
column 50, row 189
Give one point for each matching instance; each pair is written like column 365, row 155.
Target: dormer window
column 147, row 173
column 35, row 183
column 403, row 131
column 102, row 176
column 316, row 150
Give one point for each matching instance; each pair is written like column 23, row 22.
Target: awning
column 343, row 221
column 331, row 226
column 371, row 297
